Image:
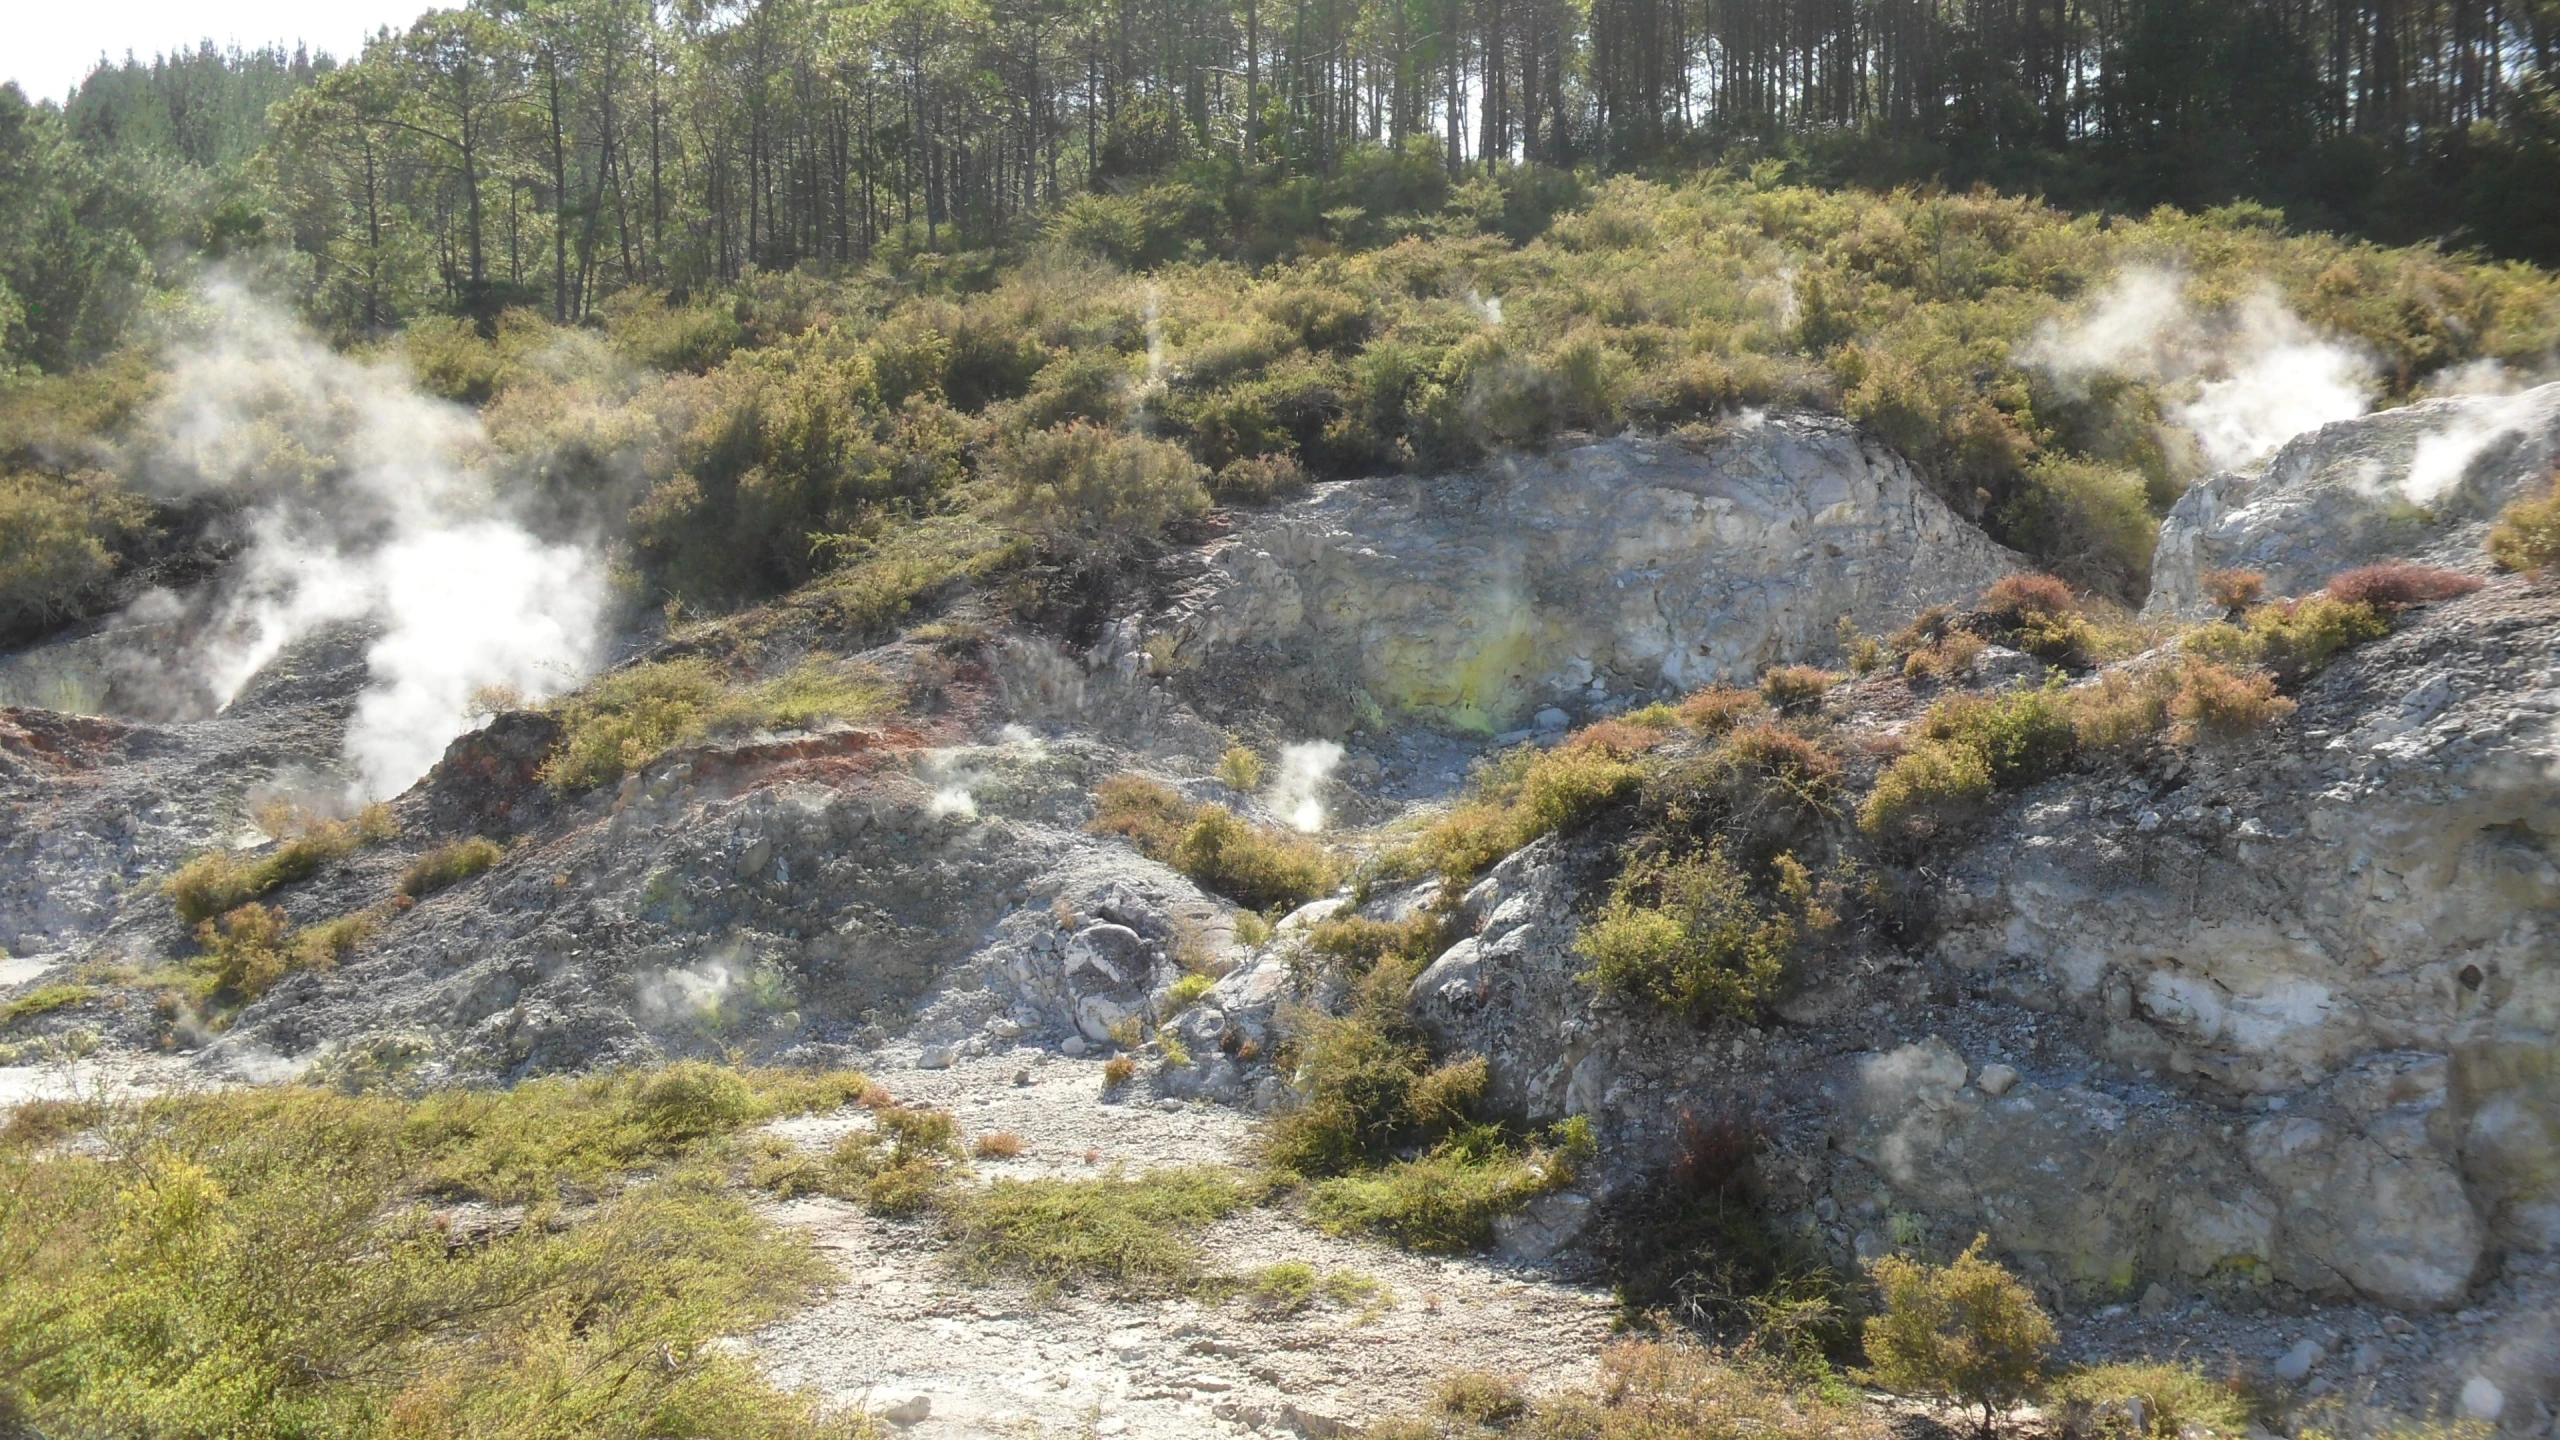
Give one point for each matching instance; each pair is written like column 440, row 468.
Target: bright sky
column 48, row 46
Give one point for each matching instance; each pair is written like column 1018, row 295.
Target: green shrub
column 1089, row 495
column 1719, row 708
column 43, row 1000
column 1258, row 480
column 1152, row 814
column 1131, row 1234
column 1476, row 1398
column 2137, row 1401
column 1926, row 790
column 2292, row 639
column 1686, row 935
column 259, row 1262
column 2123, row 708
column 623, row 720
column 1359, row 943
column 220, row 882
column 1968, row 1332
column 1443, row 1202
column 694, row 337
column 1186, row 992
column 60, row 539
column 2022, row 735
column 1253, row 865
column 2215, row 702
column 1526, row 793
column 1353, row 1101
column 1795, row 689
column 1240, row 769
column 2526, row 537
column 449, row 865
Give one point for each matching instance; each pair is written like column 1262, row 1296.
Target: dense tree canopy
column 549, row 152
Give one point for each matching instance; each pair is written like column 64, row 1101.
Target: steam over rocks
column 1472, row 600
column 2422, row 479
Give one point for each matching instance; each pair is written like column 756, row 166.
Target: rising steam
column 2239, row 383
column 1298, row 791
column 363, row 500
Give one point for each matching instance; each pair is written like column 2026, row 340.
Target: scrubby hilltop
column 1635, row 765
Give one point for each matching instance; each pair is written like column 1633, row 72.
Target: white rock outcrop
column 1473, row 600
column 2418, row 479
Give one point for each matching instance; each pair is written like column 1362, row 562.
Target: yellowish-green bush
column 1130, row 1234
column 1240, row 768
column 451, row 358
column 2022, row 735
column 43, row 1000
column 449, row 865
column 2137, row 1401
column 1526, row 793
column 2123, row 708
column 2526, row 537
column 1358, row 942
column 260, row 1262
column 1088, row 494
column 1186, row 991
column 1447, row 1200
column 1719, row 708
column 623, row 720
column 2291, row 639
column 1686, row 934
column 1928, row 788
column 2218, row 703
column 1647, row 1390
column 1794, row 689
column 1253, row 865
column 1968, row 1331
column 59, row 542
column 219, row 882
column 694, row 337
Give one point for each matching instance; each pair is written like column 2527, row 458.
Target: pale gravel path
column 991, row 1361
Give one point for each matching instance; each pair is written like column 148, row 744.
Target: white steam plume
column 1298, row 791
column 2438, row 462
column 1488, row 308
column 365, row 500
column 2240, row 383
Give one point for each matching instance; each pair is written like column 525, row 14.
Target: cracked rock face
column 2287, row 1010
column 1471, row 601
column 2420, row 480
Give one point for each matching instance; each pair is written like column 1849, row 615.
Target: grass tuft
column 1129, row 1234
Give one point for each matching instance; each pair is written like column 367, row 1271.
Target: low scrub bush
column 1927, row 790
column 1130, row 1234
column 2218, row 703
column 1719, row 708
column 1353, row 1103
column 1685, row 934
column 1090, row 495
column 2526, row 537
column 60, row 544
column 222, row 881
column 2138, row 1401
column 1968, row 1332
column 1796, row 689
column 1948, row 657
column 1446, row 1200
column 624, row 720
column 1258, row 480
column 2022, row 735
column 1358, row 943
column 1253, row 865
column 1240, row 769
column 997, row 1145
column 2291, row 639
column 2397, row 583
column 449, row 865
column 1647, row 1390
column 2234, row 590
column 258, row 1262
column 1525, row 793
column 2122, row 708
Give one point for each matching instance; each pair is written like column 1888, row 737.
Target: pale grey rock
column 1546, row 581
column 2419, row 479
column 2297, row 1363
column 1996, row 1080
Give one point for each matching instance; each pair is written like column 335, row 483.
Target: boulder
column 2420, row 480
column 1478, row 601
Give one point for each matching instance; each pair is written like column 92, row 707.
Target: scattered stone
column 1072, row 1045
column 1996, row 1080
column 1021, row 1078
column 2156, row 1301
column 910, row 1411
column 935, row 1057
column 2297, row 1362
column 2482, row 1399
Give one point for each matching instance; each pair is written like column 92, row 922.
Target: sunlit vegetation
column 1257, row 866
column 628, row 718
column 273, row 1261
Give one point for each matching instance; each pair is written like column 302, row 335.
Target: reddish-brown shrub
column 1795, row 689
column 1783, row 753
column 2234, row 589
column 2013, row 598
column 1718, row 708
column 2395, row 583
